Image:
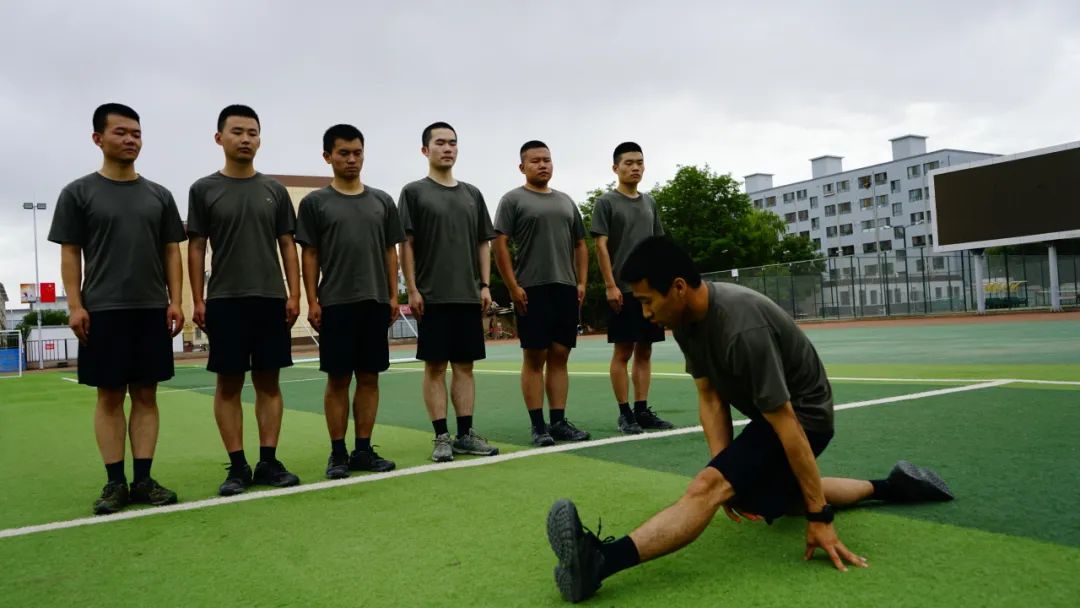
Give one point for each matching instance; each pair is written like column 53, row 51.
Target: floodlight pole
column 33, row 207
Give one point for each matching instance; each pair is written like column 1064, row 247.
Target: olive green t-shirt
column 546, row 226
column 626, row 222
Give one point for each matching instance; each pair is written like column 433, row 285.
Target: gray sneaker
column 629, row 426
column 542, row 438
column 474, row 444
column 442, row 451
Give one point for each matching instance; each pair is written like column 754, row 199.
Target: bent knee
column 710, row 486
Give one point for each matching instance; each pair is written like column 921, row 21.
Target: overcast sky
column 744, row 89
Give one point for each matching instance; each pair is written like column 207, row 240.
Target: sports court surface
column 993, row 405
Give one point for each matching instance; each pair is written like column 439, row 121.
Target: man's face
column 121, row 139
column 240, row 138
column 441, row 149
column 537, row 167
column 347, row 158
column 663, row 309
column 630, row 168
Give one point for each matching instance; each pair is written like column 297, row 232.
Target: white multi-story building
column 882, row 207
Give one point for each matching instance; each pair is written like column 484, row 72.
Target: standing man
column 248, row 219
column 446, row 259
column 349, row 231
column 743, row 351
column 547, row 287
column 126, row 307
column 621, row 219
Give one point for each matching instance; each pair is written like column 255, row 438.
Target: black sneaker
column 578, row 573
column 274, row 473
column 564, row 430
column 647, row 419
column 911, row 483
column 337, row 466
column 236, row 480
column 150, row 492
column 114, row 496
column 629, row 426
column 369, row 460
column 542, row 438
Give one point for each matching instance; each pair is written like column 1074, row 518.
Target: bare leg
column 365, row 403
column 841, row 492
column 336, row 405
column 620, row 383
column 435, row 389
column 557, row 379
column 532, row 377
column 109, row 424
column 143, row 427
column 681, row 523
column 642, row 371
column 463, row 388
column 227, row 411
column 269, row 406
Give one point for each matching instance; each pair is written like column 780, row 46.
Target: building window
column 938, row 263
column 843, row 186
column 827, row 189
column 845, row 208
column 800, row 194
column 758, row 203
column 869, row 247
column 817, row 244
column 883, row 222
column 917, row 217
column 918, row 241
column 926, row 192
column 897, row 295
column 845, row 298
column 830, row 231
column 813, row 202
column 864, row 182
column 770, row 201
column 805, row 234
column 873, row 297
column 913, row 171
column 928, row 167
column 897, row 209
column 881, row 178
column 789, row 197
column 830, row 210
column 804, row 215
column 894, row 186
column 868, row 224
column 915, row 295
column 866, row 203
column 937, row 292
column 883, row 200
column 885, row 245
column 901, row 254
column 914, row 195
column 815, row 223
column 869, row 269
column 847, row 250
column 789, row 218
column 834, row 252
column 845, row 230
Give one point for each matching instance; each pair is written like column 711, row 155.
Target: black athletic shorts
column 629, row 324
column 353, row 338
column 247, row 333
column 129, row 346
column 551, row 316
column 758, row 469
column 451, row 332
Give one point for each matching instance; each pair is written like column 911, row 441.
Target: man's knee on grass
column 710, row 489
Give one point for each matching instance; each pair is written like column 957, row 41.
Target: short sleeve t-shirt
column 756, row 358
column 352, row 233
column 447, row 225
column 242, row 219
column 546, row 226
column 626, row 222
column 122, row 228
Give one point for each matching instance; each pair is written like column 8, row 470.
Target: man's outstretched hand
column 823, row 536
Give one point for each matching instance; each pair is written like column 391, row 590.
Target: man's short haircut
column 660, row 261
column 425, row 137
column 532, row 144
column 342, row 132
column 101, row 115
column 623, row 148
column 236, row 110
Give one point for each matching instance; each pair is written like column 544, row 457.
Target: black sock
column 237, row 458
column 557, row 415
column 640, row 406
column 618, row 555
column 537, row 418
column 337, row 447
column 115, row 471
column 142, row 468
column 363, row 444
column 464, row 425
column 882, row 490
column 267, row 453
column 440, row 426
column 624, row 409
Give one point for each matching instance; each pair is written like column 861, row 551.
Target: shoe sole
column 924, row 478
column 222, row 492
column 491, row 452
column 337, row 475
column 586, row 437
column 563, row 530
column 544, row 443
column 103, row 510
column 172, row 500
column 658, row 427
column 449, row 458
column 631, row 431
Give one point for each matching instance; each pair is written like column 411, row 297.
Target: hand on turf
column 485, row 300
column 79, row 321
column 395, row 311
column 823, row 536
column 199, row 316
column 175, row 319
column 292, row 311
column 736, row 516
column 521, row 300
column 314, row 316
column 614, row 299
column 416, row 303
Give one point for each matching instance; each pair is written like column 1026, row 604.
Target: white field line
column 434, row 468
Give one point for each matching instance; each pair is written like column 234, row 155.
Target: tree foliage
column 49, row 318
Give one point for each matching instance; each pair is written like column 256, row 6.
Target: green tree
column 48, row 318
